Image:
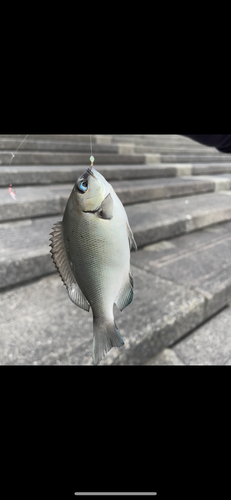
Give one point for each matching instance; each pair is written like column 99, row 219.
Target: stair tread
column 40, row 325
column 43, row 312
column 24, row 244
column 32, row 201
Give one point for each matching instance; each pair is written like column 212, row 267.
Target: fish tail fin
column 105, row 336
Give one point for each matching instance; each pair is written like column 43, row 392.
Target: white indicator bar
column 116, row 494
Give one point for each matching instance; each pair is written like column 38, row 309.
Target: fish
column 91, row 249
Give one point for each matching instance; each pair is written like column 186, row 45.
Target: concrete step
column 143, row 190
column 200, row 260
column 47, row 174
column 31, row 202
column 56, row 146
column 24, row 250
column 166, row 148
column 200, row 263
column 58, row 158
column 147, row 139
column 154, row 139
column 40, row 325
column 54, row 137
column 34, row 201
column 159, row 220
column 210, row 344
column 12, row 144
column 141, row 143
column 210, row 168
column 24, row 244
column 207, row 157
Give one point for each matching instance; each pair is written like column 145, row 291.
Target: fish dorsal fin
column 106, row 208
column 125, row 294
column 59, row 256
column 131, row 238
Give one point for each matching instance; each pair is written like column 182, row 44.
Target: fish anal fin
column 59, row 256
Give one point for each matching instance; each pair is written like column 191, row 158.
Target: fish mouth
column 89, row 172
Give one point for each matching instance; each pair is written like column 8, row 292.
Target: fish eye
column 82, row 186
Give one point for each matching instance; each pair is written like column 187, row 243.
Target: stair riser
column 31, row 158
column 25, row 268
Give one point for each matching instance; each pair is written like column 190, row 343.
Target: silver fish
column 91, row 250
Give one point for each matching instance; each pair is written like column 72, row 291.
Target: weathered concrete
column 24, row 250
column 158, row 220
column 211, row 168
column 164, row 148
column 207, row 157
column 40, row 325
column 199, row 260
column 221, row 182
column 31, row 202
column 40, row 200
column 141, row 190
column 24, row 244
column 66, row 158
column 158, row 314
column 53, row 137
column 157, row 140
column 210, row 344
column 166, row 357
column 61, row 145
column 48, row 174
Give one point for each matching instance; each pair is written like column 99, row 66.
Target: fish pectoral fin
column 125, row 295
column 105, row 211
column 106, row 208
column 131, row 238
column 59, row 256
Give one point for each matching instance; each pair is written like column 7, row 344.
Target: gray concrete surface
column 24, row 244
column 200, row 260
column 34, row 201
column 209, row 345
column 40, row 325
column 67, row 158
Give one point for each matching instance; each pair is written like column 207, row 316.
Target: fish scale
column 97, row 257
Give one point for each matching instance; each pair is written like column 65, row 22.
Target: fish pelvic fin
column 105, row 336
column 60, row 259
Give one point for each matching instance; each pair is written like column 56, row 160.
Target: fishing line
column 13, row 154
column 12, row 193
column 92, row 159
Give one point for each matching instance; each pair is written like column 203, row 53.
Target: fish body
column 91, row 250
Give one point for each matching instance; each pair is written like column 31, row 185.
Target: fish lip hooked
column 90, row 172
